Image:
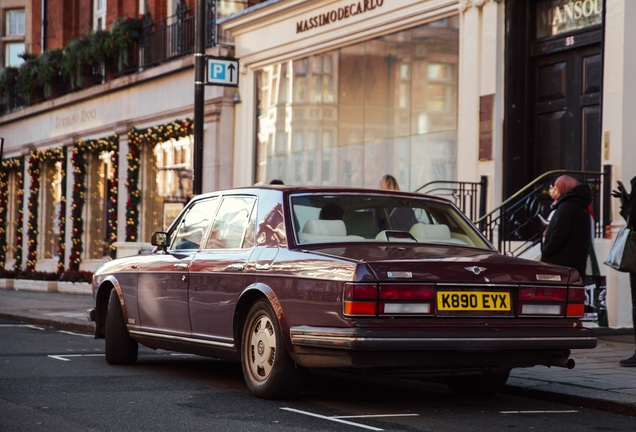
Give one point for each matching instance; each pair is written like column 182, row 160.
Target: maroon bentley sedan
column 285, row 279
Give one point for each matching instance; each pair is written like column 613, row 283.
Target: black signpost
column 199, row 93
column 222, row 71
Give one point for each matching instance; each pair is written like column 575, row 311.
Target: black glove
column 621, row 193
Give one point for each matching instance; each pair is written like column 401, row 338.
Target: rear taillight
column 360, row 299
column 389, row 299
column 576, row 302
column 407, row 299
column 541, row 301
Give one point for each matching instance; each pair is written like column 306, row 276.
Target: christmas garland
column 62, row 238
column 17, row 165
column 148, row 138
column 79, row 195
column 37, row 158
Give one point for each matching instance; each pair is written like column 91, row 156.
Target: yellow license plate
column 473, row 301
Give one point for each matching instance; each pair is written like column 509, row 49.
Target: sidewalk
column 596, row 382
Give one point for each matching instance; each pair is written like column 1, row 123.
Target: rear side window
column 232, row 224
column 191, row 229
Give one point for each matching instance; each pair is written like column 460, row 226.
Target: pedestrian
column 276, row 182
column 401, row 218
column 567, row 237
column 628, row 211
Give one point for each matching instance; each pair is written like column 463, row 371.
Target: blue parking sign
column 222, row 71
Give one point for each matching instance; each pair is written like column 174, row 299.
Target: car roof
column 290, row 189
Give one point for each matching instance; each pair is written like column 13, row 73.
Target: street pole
column 199, row 96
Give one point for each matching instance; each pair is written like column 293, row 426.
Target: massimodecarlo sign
column 339, row 14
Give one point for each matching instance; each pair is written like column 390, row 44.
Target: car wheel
column 478, row 385
column 268, row 369
column 121, row 349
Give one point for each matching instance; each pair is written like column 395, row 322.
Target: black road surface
column 52, row 380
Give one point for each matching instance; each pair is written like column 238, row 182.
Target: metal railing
column 470, row 197
column 514, row 227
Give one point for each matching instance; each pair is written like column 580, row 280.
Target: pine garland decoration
column 79, row 194
column 37, row 158
column 147, row 138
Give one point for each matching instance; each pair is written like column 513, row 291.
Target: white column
column 122, row 190
column 70, row 180
column 619, row 111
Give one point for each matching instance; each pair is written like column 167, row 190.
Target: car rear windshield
column 337, row 218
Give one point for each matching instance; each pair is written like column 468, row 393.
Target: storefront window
column 166, row 183
column 12, row 214
column 384, row 106
column 99, row 173
column 51, row 200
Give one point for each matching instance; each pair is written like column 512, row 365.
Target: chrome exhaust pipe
column 562, row 362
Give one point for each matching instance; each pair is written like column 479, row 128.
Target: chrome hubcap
column 262, row 346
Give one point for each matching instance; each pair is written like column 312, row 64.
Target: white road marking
column 67, row 314
column 538, row 412
column 22, row 325
column 377, row 415
column 63, row 356
column 77, row 334
column 334, row 419
column 59, row 358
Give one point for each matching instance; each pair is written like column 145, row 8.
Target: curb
column 58, row 324
column 624, row 408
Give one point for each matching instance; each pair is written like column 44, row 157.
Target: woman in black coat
column 628, row 211
column 567, row 237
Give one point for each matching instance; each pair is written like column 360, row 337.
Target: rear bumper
column 360, row 339
column 408, row 353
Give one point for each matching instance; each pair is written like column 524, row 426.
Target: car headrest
column 334, row 228
column 431, row 232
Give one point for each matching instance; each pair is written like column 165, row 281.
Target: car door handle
column 181, row 266
column 236, row 267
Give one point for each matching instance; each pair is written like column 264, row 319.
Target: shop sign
column 339, row 14
column 78, row 117
column 560, row 16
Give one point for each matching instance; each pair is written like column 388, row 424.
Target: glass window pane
column 231, row 223
column 383, row 106
column 192, row 228
column 13, row 51
column 347, row 218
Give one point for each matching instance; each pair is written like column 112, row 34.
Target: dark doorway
column 567, row 110
column 553, row 91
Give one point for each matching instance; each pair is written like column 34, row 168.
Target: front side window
column 233, row 227
column 369, row 218
column 192, row 227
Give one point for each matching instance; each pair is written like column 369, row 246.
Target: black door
column 567, row 110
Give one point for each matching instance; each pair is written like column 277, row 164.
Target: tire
column 121, row 349
column 269, row 371
column 478, row 385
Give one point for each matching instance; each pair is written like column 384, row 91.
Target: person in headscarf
column 567, row 237
column 628, row 211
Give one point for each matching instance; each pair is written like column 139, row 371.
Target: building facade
column 343, row 92
column 97, row 123
column 332, row 92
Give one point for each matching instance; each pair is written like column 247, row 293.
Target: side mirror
column 160, row 239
